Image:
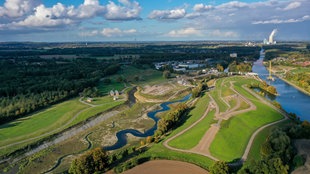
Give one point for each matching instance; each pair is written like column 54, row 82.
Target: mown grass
column 102, row 100
column 231, row 140
column 194, row 115
column 158, row 151
column 192, row 137
column 260, row 138
column 94, row 111
column 40, row 123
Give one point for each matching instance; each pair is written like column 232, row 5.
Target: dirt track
column 166, row 167
column 202, row 147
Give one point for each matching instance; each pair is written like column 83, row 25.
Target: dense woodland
column 27, row 85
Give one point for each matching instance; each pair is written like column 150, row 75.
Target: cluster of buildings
column 181, row 66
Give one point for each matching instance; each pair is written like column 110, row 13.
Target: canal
column 290, row 98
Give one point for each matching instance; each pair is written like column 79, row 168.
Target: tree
column 91, row 162
column 219, row 167
column 272, row 90
column 166, row 74
column 220, row 68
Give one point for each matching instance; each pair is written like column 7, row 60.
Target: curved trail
column 202, row 148
column 59, row 160
column 248, row 148
column 183, row 131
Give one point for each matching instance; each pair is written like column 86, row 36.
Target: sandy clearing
column 166, row 167
column 157, row 89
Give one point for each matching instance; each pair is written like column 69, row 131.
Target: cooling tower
column 274, row 31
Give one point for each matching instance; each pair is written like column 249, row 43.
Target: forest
column 27, row 85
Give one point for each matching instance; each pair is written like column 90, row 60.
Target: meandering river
column 290, row 98
column 121, row 135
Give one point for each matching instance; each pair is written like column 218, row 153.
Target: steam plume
column 274, row 31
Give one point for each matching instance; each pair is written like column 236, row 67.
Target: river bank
column 294, row 85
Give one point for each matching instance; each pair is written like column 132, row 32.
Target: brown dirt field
column 157, row 89
column 166, row 167
column 303, row 147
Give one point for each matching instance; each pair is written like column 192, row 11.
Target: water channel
column 290, row 98
column 121, row 135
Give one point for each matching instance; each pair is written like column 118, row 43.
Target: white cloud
column 18, row 8
column 202, row 8
column 292, row 5
column 283, row 21
column 186, row 32
column 232, row 4
column 167, row 14
column 116, row 32
column 128, row 10
column 45, row 17
column 21, row 14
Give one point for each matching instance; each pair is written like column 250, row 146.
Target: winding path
column 202, row 148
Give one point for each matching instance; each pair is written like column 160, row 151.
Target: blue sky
column 157, row 20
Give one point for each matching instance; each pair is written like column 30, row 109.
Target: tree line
column 27, row 85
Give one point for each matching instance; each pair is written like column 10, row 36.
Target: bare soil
column 157, row 89
column 166, row 167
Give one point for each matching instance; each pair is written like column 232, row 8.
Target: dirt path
column 248, row 148
column 203, row 146
column 183, row 131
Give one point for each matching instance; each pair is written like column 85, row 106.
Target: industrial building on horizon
column 271, row 38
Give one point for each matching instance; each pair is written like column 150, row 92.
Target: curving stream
column 121, row 135
column 59, row 160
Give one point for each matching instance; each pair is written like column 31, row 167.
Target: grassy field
column 158, row 151
column 41, row 122
column 231, row 140
column 102, row 100
column 217, row 94
column 261, row 138
column 192, row 137
column 95, row 110
column 106, row 88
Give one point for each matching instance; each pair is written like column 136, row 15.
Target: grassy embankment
column 147, row 76
column 232, row 138
column 52, row 119
column 187, row 140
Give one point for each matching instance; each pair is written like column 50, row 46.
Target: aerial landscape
column 167, row 86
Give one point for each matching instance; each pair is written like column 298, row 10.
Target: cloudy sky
column 153, row 20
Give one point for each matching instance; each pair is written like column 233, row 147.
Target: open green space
column 192, row 137
column 102, row 100
column 158, row 151
column 232, row 138
column 105, row 88
column 41, row 122
column 95, row 110
column 260, row 138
